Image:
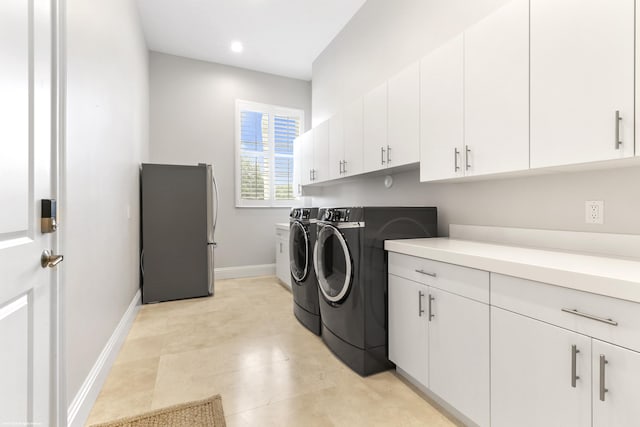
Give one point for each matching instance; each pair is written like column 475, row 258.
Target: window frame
column 272, row 111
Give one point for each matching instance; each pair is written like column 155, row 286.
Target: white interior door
column 26, row 310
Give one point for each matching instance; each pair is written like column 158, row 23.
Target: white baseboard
column 80, row 407
column 245, row 271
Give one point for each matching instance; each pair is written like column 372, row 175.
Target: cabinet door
column 582, row 65
column 321, row 152
column 375, row 129
column 306, row 145
column 441, row 112
column 297, row 167
column 531, row 373
column 353, row 138
column 459, row 353
column 404, row 117
column 408, row 327
column 336, row 146
column 620, row 406
column 282, row 259
column 496, row 91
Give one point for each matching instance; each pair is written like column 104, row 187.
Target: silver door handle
column 574, row 355
column 618, row 120
column 431, row 299
column 603, row 389
column 426, row 273
column 388, row 154
column 344, row 166
column 382, row 155
column 456, row 153
column 420, row 310
column 310, row 174
column 50, row 260
column 466, row 157
column 340, row 167
column 591, row 316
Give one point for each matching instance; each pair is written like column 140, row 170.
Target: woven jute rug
column 203, row 413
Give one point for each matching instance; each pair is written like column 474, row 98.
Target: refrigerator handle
column 215, row 214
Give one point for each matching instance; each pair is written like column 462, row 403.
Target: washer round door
column 332, row 263
column 298, row 251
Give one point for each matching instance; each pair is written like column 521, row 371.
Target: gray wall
column 192, row 117
column 380, row 40
column 107, row 127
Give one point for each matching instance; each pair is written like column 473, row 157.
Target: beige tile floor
column 245, row 344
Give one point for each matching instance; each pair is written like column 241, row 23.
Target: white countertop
column 282, row 226
column 614, row 277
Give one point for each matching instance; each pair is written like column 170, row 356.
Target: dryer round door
column 298, row 251
column 332, row 263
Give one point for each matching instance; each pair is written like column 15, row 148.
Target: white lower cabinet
column 459, row 353
column 538, row 355
column 408, row 327
column 532, row 374
column 616, row 385
column 439, row 338
column 283, row 271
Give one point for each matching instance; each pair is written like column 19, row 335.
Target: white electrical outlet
column 594, row 212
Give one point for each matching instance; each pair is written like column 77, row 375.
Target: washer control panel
column 340, row 214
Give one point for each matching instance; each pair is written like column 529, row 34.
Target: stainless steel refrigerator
column 179, row 215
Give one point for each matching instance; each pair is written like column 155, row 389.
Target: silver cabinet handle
column 340, row 167
column 603, row 389
column 280, row 247
column 420, row 310
column 618, row 120
column 344, row 166
column 382, row 150
column 455, row 159
column 426, row 273
column 591, row 316
column 310, row 174
column 574, row 355
column 431, row 299
column 466, row 157
column 388, row 154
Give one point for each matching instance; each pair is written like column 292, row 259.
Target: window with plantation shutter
column 264, row 147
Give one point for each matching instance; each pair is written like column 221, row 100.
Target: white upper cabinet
column 403, row 146
column 306, row 148
column 321, row 152
column 297, row 166
column 496, row 91
column 336, row 146
column 375, row 129
column 442, row 112
column 353, row 138
column 582, row 79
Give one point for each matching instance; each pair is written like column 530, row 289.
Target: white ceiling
column 279, row 36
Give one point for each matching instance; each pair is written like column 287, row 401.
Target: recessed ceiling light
column 236, row 47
